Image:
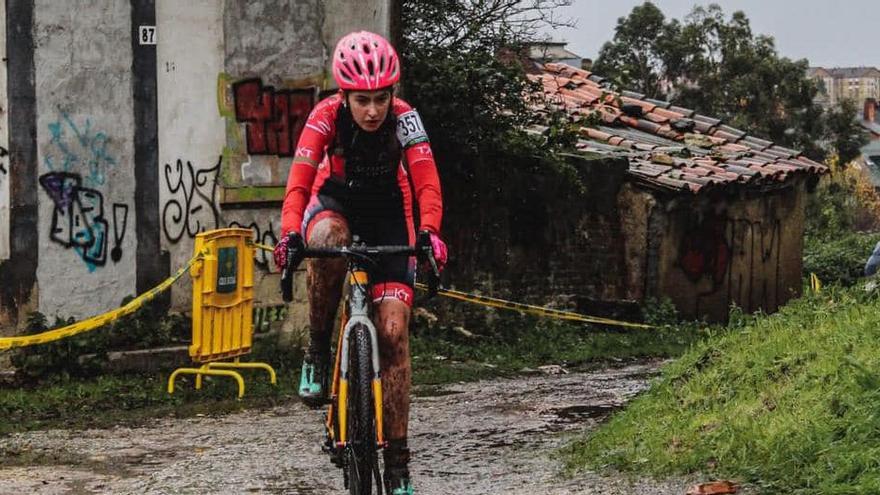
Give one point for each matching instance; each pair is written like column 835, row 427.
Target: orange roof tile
column 702, row 151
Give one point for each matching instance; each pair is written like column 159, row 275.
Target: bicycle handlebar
column 361, row 251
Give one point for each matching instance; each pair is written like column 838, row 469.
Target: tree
column 843, row 133
column 470, row 97
column 642, row 48
column 719, row 67
column 458, row 73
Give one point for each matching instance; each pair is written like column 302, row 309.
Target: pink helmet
column 364, row 61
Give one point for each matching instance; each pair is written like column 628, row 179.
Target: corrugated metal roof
column 669, row 147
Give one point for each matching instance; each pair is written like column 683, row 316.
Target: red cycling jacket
column 312, row 165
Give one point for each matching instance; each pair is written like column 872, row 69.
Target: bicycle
column 353, row 421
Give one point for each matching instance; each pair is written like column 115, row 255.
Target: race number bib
column 410, row 130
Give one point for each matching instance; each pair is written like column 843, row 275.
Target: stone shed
column 694, row 210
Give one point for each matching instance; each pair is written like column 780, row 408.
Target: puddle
column 576, row 414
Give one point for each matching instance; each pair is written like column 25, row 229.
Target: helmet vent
column 357, row 68
column 371, row 70
column 345, row 75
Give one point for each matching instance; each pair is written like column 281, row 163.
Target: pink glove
column 440, row 252
column 280, row 253
column 284, row 248
column 439, row 247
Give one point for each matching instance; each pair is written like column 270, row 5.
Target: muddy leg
column 392, row 324
column 324, row 278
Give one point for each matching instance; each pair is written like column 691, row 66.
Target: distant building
column 544, row 52
column 839, row 83
column 870, row 119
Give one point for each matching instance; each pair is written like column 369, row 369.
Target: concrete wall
column 236, row 82
column 96, row 138
column 4, row 141
column 189, row 57
column 85, row 155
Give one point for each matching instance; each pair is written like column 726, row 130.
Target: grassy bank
column 440, row 355
column 790, row 402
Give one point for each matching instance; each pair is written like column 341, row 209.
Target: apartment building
column 854, row 83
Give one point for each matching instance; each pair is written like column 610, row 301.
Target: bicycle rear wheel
column 361, row 458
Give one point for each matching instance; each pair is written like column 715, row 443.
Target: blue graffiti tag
column 77, row 148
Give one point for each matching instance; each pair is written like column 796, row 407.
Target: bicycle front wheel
column 361, row 458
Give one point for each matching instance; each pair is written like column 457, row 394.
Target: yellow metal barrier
column 223, row 305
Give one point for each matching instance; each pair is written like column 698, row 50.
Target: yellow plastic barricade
column 223, row 306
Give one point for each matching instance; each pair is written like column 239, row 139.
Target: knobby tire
column 362, row 456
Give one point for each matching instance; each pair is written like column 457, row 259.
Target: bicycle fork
column 358, row 314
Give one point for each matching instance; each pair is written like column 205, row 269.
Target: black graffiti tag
column 267, row 237
column 3, row 154
column 120, row 217
column 78, row 218
column 192, row 208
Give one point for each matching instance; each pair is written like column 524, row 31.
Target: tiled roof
column 668, row 147
column 853, row 72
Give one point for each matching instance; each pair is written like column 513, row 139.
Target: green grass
column 516, row 343
column 789, row 402
column 525, row 343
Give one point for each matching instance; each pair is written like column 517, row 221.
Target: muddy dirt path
column 490, row 437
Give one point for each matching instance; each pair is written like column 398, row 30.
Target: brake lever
column 434, row 276
column 287, row 278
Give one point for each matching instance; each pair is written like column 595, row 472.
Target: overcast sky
column 829, row 33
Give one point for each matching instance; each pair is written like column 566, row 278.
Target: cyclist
column 359, row 158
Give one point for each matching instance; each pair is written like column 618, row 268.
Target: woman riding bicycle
column 360, row 155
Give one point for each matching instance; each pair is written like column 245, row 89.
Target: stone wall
column 613, row 246
column 744, row 250
column 547, row 241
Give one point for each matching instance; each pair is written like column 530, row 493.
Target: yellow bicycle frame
column 356, row 313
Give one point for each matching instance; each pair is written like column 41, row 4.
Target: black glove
column 425, row 253
column 290, row 252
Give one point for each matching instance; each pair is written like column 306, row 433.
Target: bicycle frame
column 357, row 312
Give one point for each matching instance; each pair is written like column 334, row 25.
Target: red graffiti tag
column 274, row 119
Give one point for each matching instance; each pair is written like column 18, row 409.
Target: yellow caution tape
column 95, row 321
column 264, row 247
column 531, row 309
column 522, row 308
column 815, row 283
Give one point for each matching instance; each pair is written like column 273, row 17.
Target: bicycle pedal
column 333, row 452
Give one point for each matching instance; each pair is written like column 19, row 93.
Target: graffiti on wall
column 263, row 236
column 705, row 251
column 78, row 147
column 741, row 260
column 273, row 118
column 78, row 221
column 4, row 154
column 263, row 317
column 192, row 207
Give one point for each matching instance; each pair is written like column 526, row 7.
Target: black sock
column 396, row 453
